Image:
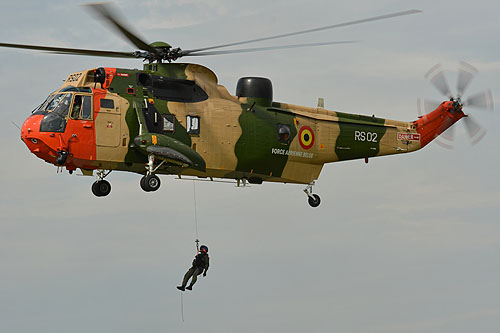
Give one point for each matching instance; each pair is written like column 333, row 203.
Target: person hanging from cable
column 200, row 265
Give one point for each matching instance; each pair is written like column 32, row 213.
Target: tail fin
column 433, row 124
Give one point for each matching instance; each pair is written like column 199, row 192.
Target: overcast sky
column 406, row 243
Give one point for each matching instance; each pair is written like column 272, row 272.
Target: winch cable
column 197, row 241
column 182, row 307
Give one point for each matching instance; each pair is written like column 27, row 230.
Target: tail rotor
column 479, row 101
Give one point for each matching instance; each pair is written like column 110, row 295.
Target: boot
column 181, row 288
column 190, row 287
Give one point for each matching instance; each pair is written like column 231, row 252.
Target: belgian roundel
column 306, row 137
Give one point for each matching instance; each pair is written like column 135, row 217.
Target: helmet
column 204, row 249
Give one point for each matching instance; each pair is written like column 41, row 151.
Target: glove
column 204, row 274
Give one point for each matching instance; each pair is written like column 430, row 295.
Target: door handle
column 87, row 125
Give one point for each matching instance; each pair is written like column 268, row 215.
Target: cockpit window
column 54, row 101
column 62, row 108
column 52, row 122
column 57, row 107
column 77, row 106
column 55, row 121
column 82, row 107
column 40, row 109
column 87, row 108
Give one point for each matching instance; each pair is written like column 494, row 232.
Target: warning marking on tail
column 409, row 137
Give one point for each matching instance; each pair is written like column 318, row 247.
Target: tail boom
column 435, row 123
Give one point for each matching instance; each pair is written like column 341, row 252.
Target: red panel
column 78, row 138
column 433, row 124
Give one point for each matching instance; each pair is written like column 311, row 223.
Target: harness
column 199, row 261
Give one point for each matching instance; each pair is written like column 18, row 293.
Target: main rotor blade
column 63, row 50
column 476, row 132
column 104, row 11
column 482, row 100
column 370, row 19
column 438, row 80
column 465, row 75
column 191, row 53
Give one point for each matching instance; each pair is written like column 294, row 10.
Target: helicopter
column 175, row 118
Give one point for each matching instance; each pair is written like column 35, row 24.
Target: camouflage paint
column 238, row 139
column 260, row 136
column 353, row 141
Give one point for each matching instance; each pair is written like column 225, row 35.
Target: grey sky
column 404, row 244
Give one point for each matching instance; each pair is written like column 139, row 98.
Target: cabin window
column 284, row 133
column 107, row 103
column 168, row 123
column 193, row 124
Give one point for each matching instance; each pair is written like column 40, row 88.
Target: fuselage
column 113, row 119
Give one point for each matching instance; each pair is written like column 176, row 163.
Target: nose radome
column 30, row 135
column 31, row 126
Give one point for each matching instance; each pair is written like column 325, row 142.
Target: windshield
column 49, row 104
column 62, row 106
column 54, row 101
column 56, row 110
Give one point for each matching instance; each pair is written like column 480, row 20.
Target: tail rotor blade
column 425, row 106
column 482, row 100
column 430, row 105
column 475, row 131
column 447, row 138
column 436, row 77
column 445, row 144
column 465, row 75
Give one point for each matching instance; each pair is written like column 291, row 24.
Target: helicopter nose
column 37, row 142
column 30, row 126
column 30, row 131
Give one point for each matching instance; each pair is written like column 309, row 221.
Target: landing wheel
column 314, row 201
column 101, row 188
column 150, row 183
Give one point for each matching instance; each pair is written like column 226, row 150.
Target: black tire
column 101, row 188
column 95, row 189
column 314, row 202
column 150, row 183
column 143, row 184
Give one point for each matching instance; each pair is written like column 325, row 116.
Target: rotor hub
column 457, row 104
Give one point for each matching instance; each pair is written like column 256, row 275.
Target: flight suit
column 200, row 265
